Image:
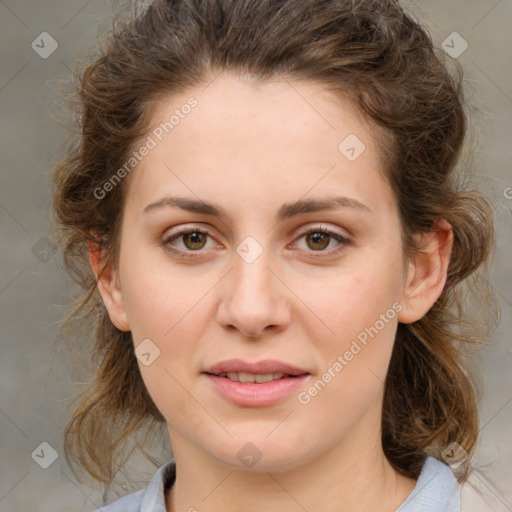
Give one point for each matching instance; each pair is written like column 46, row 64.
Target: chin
column 259, row 453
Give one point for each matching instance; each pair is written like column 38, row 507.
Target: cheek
column 161, row 298
column 345, row 304
column 358, row 313
column 168, row 308
column 354, row 363
column 172, row 315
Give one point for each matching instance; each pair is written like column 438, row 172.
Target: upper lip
column 260, row 367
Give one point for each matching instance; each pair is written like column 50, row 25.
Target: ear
column 427, row 271
column 107, row 280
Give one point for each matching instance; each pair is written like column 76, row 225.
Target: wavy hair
column 369, row 51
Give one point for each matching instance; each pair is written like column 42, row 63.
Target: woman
column 263, row 213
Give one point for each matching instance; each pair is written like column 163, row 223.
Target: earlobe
column 107, row 281
column 427, row 272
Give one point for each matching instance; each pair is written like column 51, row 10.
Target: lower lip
column 251, row 394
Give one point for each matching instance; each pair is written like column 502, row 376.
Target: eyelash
column 343, row 242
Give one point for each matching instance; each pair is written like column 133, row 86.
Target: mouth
column 246, row 370
column 256, row 384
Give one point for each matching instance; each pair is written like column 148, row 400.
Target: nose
column 255, row 301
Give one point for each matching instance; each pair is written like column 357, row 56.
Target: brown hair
column 387, row 65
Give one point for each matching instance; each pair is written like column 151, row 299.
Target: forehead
column 233, row 109
column 247, row 135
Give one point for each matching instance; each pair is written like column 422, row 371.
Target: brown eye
column 322, row 241
column 187, row 242
column 194, row 240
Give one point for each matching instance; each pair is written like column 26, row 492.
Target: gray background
column 34, row 291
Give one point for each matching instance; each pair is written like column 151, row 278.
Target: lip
column 258, row 367
column 252, row 394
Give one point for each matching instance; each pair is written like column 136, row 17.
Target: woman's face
column 304, row 268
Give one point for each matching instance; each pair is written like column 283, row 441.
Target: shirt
column 436, row 490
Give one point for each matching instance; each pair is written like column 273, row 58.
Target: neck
column 352, row 476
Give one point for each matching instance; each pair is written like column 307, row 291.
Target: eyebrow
column 286, row 211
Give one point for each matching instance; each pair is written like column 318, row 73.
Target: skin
column 250, row 147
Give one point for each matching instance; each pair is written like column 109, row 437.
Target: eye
column 320, row 238
column 192, row 240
